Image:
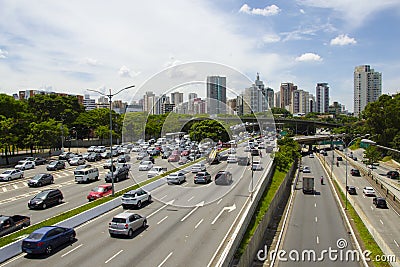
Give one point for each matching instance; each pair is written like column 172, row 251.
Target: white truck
column 308, row 185
column 156, row 170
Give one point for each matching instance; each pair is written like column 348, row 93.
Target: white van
column 86, row 175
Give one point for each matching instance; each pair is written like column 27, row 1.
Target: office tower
column 149, row 103
column 200, row 106
column 367, row 87
column 270, row 97
column 322, row 98
column 277, row 99
column 311, row 101
column 161, row 100
column 216, row 95
column 231, row 106
column 192, row 97
column 176, row 98
column 286, row 94
column 255, row 97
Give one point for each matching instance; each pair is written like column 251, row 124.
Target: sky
column 70, row 46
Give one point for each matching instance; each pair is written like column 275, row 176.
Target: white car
column 306, row 169
column 198, row 167
column 156, row 170
column 311, row 155
column 135, row 198
column 176, row 178
column 145, row 165
column 369, row 191
column 232, row 159
column 75, row 161
column 256, row 166
column 24, row 165
column 9, row 175
column 232, row 151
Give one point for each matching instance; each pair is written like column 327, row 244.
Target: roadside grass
column 367, row 241
column 386, row 158
column 68, row 214
column 262, row 208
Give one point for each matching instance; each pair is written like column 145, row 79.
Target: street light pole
column 110, row 95
column 252, row 175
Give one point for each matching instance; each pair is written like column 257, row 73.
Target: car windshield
column 7, row 172
column 42, row 195
column 129, row 195
column 98, row 189
column 37, row 176
column 53, row 163
column 35, row 236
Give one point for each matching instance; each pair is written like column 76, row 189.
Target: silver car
column 176, row 178
column 126, row 223
column 9, row 175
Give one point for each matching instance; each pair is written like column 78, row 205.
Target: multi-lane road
column 315, row 226
column 186, row 223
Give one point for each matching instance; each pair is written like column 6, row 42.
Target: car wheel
column 59, row 201
column 48, row 250
column 149, row 199
column 9, row 179
column 139, row 204
column 112, row 235
column 44, row 206
column 144, row 223
column 71, row 238
column 130, row 233
column 39, row 184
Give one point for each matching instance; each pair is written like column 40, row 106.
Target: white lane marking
column 64, row 203
column 197, row 225
column 317, row 239
column 193, row 210
column 162, row 219
column 13, row 259
column 372, row 208
column 229, row 209
column 190, row 198
column 381, row 221
column 5, row 189
column 25, row 184
column 219, row 201
column 72, row 250
column 163, row 197
column 315, row 205
column 166, row 204
column 316, row 219
column 15, row 186
column 169, row 255
column 397, row 244
column 115, row 255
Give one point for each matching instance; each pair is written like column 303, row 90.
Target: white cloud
column 353, row 12
column 3, row 53
column 90, row 61
column 266, row 11
column 302, row 11
column 343, row 39
column 308, row 57
column 271, row 38
column 124, row 71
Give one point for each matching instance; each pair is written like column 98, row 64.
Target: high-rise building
column 322, row 98
column 176, row 98
column 311, row 101
column 200, row 106
column 192, row 97
column 286, row 94
column 278, row 99
column 161, row 100
column 367, row 87
column 270, row 97
column 300, row 102
column 89, row 103
column 149, row 103
column 167, row 107
column 216, row 95
column 256, row 97
column 231, row 105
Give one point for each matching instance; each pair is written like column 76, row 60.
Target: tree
column 208, row 129
column 372, row 154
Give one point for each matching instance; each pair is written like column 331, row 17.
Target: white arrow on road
column 229, row 209
column 201, row 204
column 166, row 204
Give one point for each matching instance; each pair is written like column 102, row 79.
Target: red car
column 173, row 158
column 185, row 153
column 100, row 191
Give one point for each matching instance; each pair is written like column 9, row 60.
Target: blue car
column 46, row 239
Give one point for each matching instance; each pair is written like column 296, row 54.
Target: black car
column 66, row 156
column 119, row 174
column 379, row 202
column 40, row 161
column 46, row 198
column 56, row 165
column 339, row 158
column 243, row 161
column 41, row 179
column 223, row 178
column 392, row 174
column 94, row 157
column 124, row 158
column 351, row 190
column 254, row 152
column 355, row 172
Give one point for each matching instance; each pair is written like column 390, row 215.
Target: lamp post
column 373, row 143
column 76, row 139
column 333, row 156
column 252, row 176
column 110, row 95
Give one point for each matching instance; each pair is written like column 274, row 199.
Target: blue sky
column 73, row 45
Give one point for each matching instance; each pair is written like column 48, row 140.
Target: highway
column 186, row 224
column 384, row 221
column 315, row 224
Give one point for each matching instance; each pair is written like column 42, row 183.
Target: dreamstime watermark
column 340, row 253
